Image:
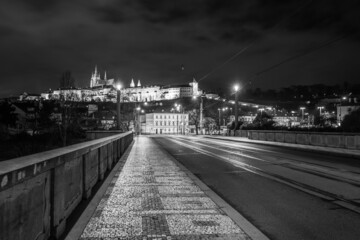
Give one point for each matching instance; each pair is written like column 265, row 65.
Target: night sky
column 150, row 40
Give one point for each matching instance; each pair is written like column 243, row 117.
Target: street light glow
column 236, row 87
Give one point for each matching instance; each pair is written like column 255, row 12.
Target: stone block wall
column 336, row 140
column 39, row 192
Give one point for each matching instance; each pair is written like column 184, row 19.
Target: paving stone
column 152, row 198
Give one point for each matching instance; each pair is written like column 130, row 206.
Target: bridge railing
column 39, row 192
column 324, row 139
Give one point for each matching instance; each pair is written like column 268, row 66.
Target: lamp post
column 177, row 106
column 321, row 107
column 182, row 119
column 236, row 88
column 137, row 130
column 201, row 111
column 118, row 87
column 302, row 113
column 219, row 118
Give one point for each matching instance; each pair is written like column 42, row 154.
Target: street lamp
column 201, row 110
column 302, row 113
column 178, row 107
column 321, row 107
column 236, row 88
column 219, row 109
column 118, row 87
column 137, row 127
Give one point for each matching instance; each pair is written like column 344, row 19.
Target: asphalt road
column 287, row 194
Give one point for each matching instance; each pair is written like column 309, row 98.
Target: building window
column 156, row 123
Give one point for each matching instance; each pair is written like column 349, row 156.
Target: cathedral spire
column 132, row 84
column 105, row 78
column 139, row 84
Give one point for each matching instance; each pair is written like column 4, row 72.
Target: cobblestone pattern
column 151, row 198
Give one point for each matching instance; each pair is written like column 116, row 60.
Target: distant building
column 166, row 123
column 247, row 118
column 140, row 93
column 212, row 96
column 342, row 111
column 286, row 120
column 29, row 97
column 104, row 90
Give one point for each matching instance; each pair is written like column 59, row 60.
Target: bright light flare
column 236, row 87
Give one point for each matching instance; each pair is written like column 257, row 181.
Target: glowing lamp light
column 236, row 88
column 118, row 87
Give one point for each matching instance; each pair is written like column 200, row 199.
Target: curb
column 78, row 228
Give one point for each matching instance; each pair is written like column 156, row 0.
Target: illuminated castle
column 138, row 93
column 96, row 81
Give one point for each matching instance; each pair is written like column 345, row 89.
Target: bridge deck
column 152, row 197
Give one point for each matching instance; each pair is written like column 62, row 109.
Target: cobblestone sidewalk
column 152, row 198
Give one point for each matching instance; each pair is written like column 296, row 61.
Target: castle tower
column 95, row 77
column 132, row 84
column 139, row 84
column 195, row 87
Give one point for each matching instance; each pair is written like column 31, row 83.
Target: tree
column 194, row 119
column 8, row 117
column 231, row 125
column 351, row 122
column 209, row 124
column 263, row 120
column 325, row 120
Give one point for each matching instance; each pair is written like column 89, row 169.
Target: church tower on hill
column 95, row 78
column 132, row 84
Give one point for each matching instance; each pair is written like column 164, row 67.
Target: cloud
column 150, row 39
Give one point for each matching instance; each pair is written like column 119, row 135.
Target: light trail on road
column 335, row 181
column 315, row 190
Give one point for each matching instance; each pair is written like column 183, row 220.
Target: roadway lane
column 287, row 194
